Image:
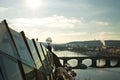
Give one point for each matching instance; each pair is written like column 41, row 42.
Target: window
column 1, row 75
column 35, row 55
column 6, row 44
column 22, row 48
column 43, row 58
column 29, row 72
column 47, row 55
column 40, row 52
column 10, row 68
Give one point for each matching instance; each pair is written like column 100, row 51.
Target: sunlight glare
column 33, row 4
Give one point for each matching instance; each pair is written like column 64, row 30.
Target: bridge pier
column 94, row 62
column 107, row 61
column 79, row 62
column 65, row 61
column 118, row 64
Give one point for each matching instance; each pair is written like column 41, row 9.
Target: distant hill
column 114, row 43
column 95, row 43
column 92, row 44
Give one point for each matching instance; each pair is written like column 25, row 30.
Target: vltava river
column 91, row 73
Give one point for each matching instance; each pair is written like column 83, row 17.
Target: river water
column 91, row 73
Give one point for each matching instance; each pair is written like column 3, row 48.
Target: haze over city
column 63, row 20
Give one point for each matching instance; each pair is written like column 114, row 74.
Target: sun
column 33, row 4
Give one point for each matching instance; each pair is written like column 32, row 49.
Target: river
column 91, row 73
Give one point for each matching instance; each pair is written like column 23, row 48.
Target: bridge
column 94, row 60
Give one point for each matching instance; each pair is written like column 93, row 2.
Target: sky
column 63, row 20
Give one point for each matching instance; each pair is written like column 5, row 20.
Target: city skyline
column 63, row 20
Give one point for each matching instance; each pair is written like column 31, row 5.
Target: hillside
column 114, row 43
column 96, row 43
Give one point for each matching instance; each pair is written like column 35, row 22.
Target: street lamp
column 49, row 41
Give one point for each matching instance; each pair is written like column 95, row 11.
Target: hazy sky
column 64, row 20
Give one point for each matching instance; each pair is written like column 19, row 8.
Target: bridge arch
column 73, row 62
column 87, row 62
column 94, row 61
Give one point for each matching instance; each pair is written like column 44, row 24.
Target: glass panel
column 35, row 55
column 41, row 52
column 42, row 76
column 47, row 55
column 21, row 47
column 44, row 60
column 30, row 73
column 44, row 49
column 1, row 77
column 6, row 44
column 10, row 69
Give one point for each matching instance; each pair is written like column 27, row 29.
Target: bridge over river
column 107, row 59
